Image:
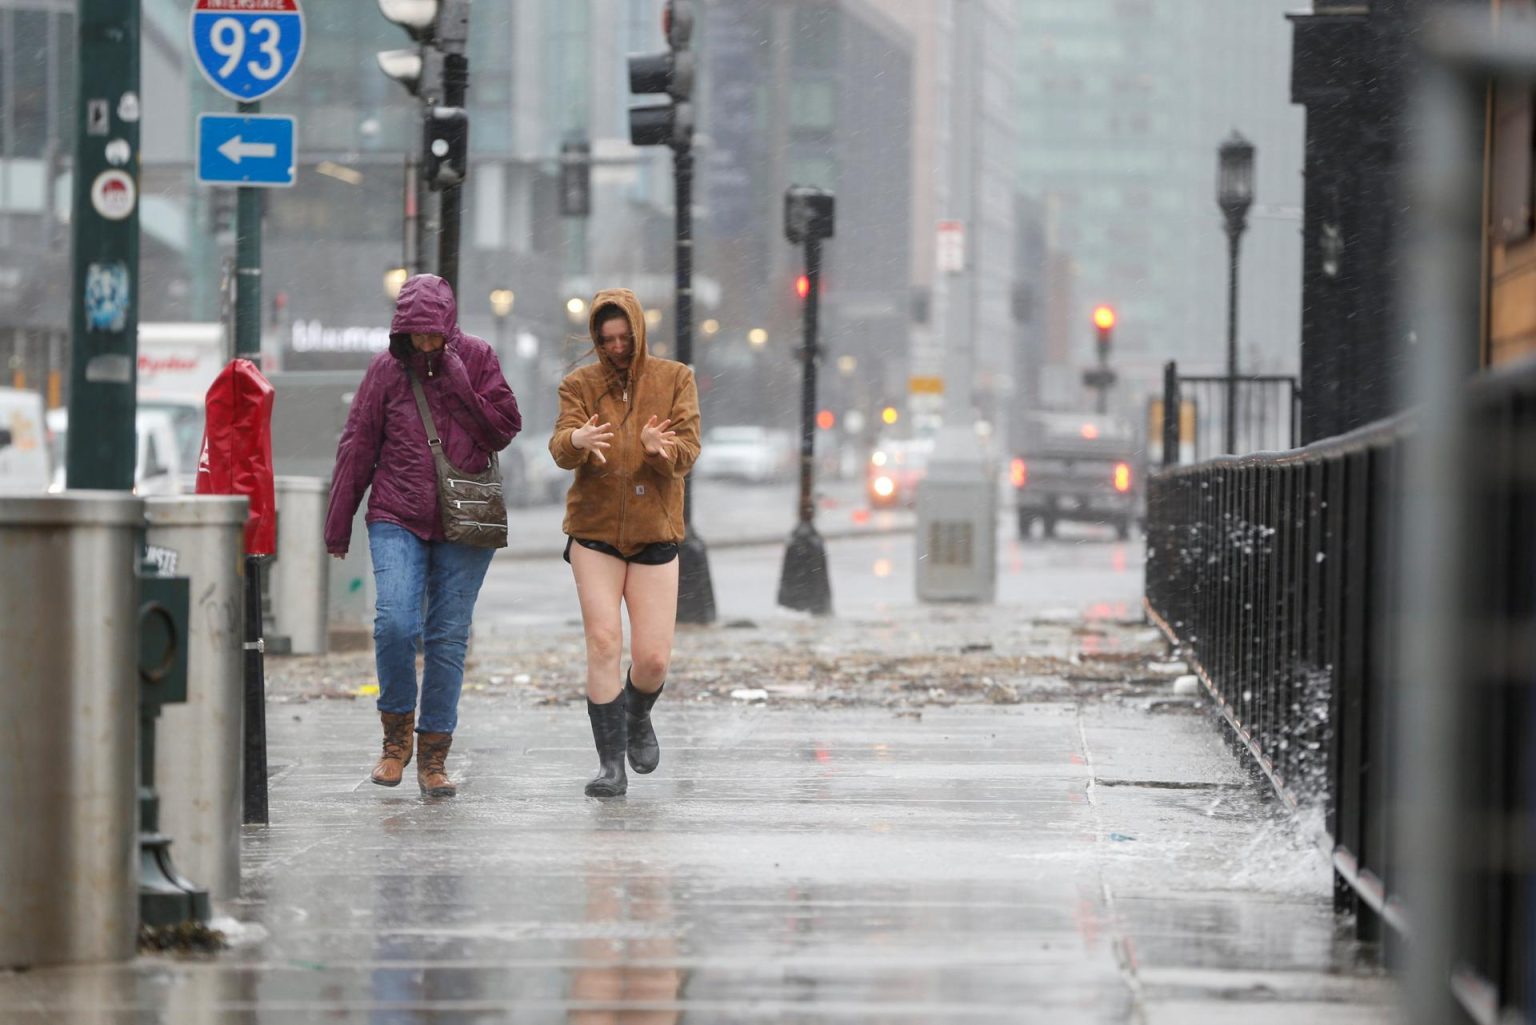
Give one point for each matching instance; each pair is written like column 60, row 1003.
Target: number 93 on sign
column 246, row 49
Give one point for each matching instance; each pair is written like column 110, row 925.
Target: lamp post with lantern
column 501, row 307
column 1234, row 194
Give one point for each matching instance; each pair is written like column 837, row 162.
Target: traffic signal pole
column 804, row 581
column 695, row 589
column 671, row 124
column 455, row 94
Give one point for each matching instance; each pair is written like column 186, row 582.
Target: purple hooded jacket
column 384, row 443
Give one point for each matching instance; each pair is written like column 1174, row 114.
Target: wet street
column 905, row 813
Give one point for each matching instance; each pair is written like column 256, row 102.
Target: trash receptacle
column 69, row 694
column 298, row 579
column 351, row 592
column 957, row 528
column 199, row 744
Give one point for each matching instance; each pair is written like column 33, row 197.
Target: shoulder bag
column 474, row 512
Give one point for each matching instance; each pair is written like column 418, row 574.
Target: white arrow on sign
column 237, row 148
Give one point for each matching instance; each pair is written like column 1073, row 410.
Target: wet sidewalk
column 1024, row 824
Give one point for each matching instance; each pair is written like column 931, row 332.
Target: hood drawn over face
column 625, row 300
column 425, row 307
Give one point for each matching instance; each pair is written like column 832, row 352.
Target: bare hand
column 593, row 437
column 656, row 438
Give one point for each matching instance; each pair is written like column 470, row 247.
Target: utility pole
column 104, row 305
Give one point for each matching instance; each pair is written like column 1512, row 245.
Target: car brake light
column 1122, row 477
column 1018, row 473
column 1090, row 431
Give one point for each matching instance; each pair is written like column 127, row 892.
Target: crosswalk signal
column 670, row 72
column 446, row 147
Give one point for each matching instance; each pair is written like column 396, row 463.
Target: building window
column 813, row 105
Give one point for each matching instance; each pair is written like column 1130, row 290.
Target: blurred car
column 24, row 454
column 744, row 452
column 529, row 476
column 1083, row 467
column 158, row 468
column 895, row 469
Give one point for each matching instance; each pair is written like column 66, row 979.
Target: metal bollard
column 69, row 696
column 198, row 750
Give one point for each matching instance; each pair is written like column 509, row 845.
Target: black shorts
column 657, row 553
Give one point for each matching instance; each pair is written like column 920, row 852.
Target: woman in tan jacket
column 629, row 427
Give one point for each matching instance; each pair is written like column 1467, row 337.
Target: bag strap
column 421, row 407
column 426, row 417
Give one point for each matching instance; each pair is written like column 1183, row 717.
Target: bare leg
column 599, row 587
column 650, row 595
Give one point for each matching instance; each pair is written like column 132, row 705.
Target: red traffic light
column 825, row 420
column 803, row 286
column 1104, row 317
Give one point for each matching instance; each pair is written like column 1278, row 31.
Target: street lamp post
column 1234, row 194
column 501, row 306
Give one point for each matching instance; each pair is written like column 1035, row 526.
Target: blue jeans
column 406, row 568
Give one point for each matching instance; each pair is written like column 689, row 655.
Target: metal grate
column 951, row 543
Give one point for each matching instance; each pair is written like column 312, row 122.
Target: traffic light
column 1104, row 324
column 803, row 286
column 670, row 72
column 437, row 73
column 576, row 178
column 445, row 150
column 808, row 214
column 419, row 70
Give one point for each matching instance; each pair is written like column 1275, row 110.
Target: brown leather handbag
column 474, row 511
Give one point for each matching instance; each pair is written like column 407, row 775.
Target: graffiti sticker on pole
column 247, row 49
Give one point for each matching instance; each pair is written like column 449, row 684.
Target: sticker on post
column 119, row 152
column 106, row 297
column 164, row 558
column 109, row 368
column 128, row 107
column 98, row 117
column 113, row 195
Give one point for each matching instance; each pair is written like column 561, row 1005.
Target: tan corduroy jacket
column 635, row 498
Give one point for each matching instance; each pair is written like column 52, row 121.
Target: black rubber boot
column 644, row 748
column 609, row 734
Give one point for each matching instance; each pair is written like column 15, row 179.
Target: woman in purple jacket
column 384, row 445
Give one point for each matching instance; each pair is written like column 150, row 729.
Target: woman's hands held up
column 594, row 437
column 656, row 438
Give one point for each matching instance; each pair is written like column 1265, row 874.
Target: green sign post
column 104, row 293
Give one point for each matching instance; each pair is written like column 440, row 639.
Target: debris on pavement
column 928, row 656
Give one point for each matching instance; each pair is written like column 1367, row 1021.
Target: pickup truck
column 1084, row 467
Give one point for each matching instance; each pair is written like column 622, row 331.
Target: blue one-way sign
column 251, row 149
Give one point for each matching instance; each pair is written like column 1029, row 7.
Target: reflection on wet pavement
column 1064, row 862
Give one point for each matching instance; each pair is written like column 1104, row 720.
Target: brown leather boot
column 430, row 772
column 398, row 738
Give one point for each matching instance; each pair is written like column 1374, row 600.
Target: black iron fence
column 1280, row 577
column 1265, row 416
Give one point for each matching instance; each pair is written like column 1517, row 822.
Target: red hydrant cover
column 237, row 449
